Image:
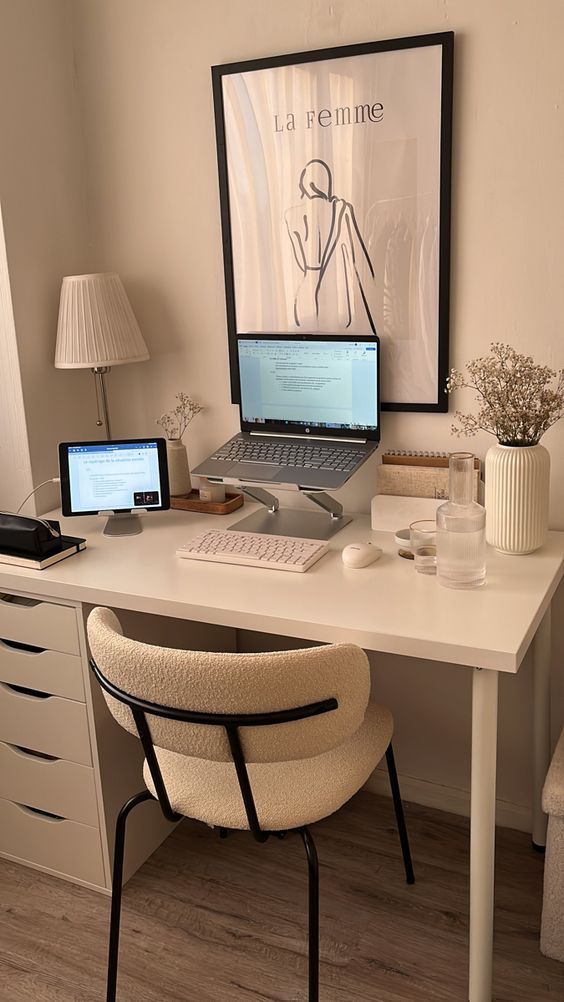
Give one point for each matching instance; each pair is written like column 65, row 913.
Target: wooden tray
column 191, row 502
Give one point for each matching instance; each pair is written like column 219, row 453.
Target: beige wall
column 152, row 183
column 15, row 464
column 152, row 180
column 139, row 149
column 42, row 197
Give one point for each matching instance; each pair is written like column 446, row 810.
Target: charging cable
column 53, row 480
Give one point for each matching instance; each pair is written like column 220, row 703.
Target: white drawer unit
column 48, row 784
column 54, row 843
column 60, row 789
column 41, row 624
column 44, row 723
column 36, row 668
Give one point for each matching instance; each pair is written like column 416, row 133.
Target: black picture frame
column 402, row 241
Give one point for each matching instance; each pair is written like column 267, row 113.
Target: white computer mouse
column 360, row 554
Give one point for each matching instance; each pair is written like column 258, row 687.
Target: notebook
column 69, row 545
column 309, row 411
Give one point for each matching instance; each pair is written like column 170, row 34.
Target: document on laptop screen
column 329, row 384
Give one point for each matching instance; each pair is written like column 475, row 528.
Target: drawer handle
column 20, row 601
column 30, row 753
column 17, row 646
column 45, row 815
column 22, row 691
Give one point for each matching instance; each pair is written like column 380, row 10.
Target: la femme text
column 358, row 114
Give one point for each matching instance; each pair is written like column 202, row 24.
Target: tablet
column 120, row 476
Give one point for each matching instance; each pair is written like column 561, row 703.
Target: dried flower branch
column 176, row 421
column 517, row 402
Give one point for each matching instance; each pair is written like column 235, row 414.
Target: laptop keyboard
column 307, row 455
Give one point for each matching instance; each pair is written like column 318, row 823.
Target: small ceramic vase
column 178, row 469
column 516, row 497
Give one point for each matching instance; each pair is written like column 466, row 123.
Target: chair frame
column 231, row 722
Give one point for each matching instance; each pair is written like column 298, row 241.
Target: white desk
column 386, row 607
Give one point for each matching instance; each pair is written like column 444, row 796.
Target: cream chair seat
column 264, row 742
column 205, row 790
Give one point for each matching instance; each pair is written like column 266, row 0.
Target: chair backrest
column 215, row 684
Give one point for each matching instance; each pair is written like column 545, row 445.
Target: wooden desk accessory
column 192, row 502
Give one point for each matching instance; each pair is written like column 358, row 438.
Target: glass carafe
column 461, row 529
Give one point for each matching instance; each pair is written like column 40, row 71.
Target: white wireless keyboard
column 254, row 549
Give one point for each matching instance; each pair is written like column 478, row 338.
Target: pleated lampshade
column 97, row 326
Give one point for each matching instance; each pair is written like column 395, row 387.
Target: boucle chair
column 262, row 742
column 552, row 925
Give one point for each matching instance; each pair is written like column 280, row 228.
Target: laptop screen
column 299, row 384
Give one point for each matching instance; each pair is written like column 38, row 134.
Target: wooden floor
column 211, row 921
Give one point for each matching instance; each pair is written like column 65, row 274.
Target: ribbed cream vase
column 178, row 469
column 516, row 496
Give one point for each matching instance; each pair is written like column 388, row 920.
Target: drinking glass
column 423, row 541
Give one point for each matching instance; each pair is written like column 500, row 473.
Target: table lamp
column 97, row 329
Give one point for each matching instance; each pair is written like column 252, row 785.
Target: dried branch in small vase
column 176, row 421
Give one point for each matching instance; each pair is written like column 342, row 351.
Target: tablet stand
column 125, row 523
column 293, row 521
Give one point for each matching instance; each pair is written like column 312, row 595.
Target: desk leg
column 482, row 832
column 541, row 724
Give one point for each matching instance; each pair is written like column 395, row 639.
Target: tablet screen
column 114, row 476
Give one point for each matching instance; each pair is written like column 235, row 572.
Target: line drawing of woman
column 323, row 230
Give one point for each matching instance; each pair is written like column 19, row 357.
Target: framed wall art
column 334, row 176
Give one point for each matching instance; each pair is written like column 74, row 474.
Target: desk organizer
column 418, row 475
column 192, row 502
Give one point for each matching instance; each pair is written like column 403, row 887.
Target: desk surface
column 385, row 607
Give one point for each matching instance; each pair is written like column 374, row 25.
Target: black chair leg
column 117, row 883
column 400, row 818
column 313, row 894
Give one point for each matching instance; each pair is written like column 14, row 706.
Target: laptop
column 310, row 411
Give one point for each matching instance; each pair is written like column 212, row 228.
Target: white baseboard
column 447, row 798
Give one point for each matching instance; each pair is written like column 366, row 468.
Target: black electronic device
column 29, row 541
column 119, row 478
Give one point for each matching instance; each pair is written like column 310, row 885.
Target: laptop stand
column 293, row 521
